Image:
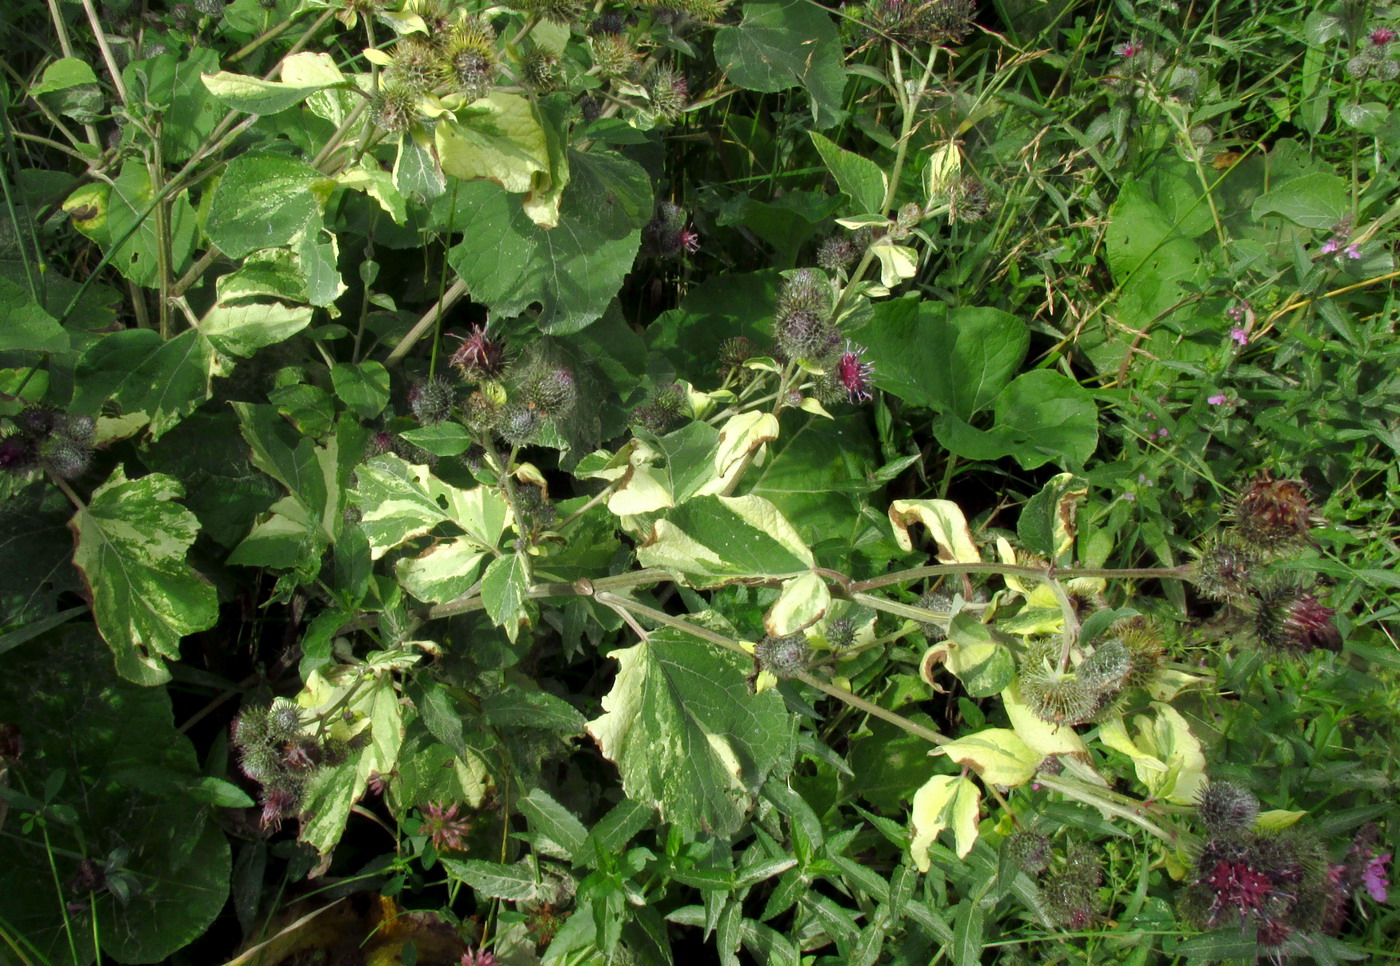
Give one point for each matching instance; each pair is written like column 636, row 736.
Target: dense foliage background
column 698, row 481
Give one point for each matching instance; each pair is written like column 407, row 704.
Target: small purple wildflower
column 479, row 957
column 689, row 239
column 1131, row 49
column 1331, row 245
column 1162, row 433
column 1219, row 399
column 1352, row 252
column 854, row 373
column 1373, row 877
column 1130, row 497
column 1240, row 336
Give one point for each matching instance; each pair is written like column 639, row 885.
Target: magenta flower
column 1162, row 433
column 1352, row 252
column 854, row 374
column 1240, row 336
column 479, row 957
column 1382, row 36
column 1330, row 246
column 689, row 239
column 1130, row 49
column 1219, row 399
column 1373, row 877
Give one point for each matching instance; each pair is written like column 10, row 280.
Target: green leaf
column 713, row 539
column 1046, row 526
column 492, row 880
column 572, row 271
column 28, row 327
column 62, row 74
column 532, row 709
column 503, row 588
column 967, row 933
column 860, row 178
column 114, row 741
column 1041, row 417
column 131, row 205
column 1223, row 944
column 262, row 201
column 442, row 439
column 1319, row 200
column 131, row 544
column 547, row 818
column 686, row 734
column 949, row 361
column 362, row 386
column 252, row 95
column 783, row 45
column 443, row 572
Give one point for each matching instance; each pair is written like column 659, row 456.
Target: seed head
column 540, row 72
column 549, row 388
column 941, row 601
column 784, row 657
column 519, row 424
column 433, row 401
column 1029, row 850
column 394, row 108
column 482, row 413
column 38, row 420
column 967, row 201
column 470, row 57
column 806, row 336
column 669, row 94
column 416, row 66
column 1226, row 807
column 613, row 55
column 65, row 457
column 735, row 352
column 663, row 407
column 1225, row 567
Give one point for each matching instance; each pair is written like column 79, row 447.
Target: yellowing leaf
column 743, row 434
column 497, row 138
column 1277, row 818
column 1040, row 736
column 1166, row 756
column 644, row 492
column 946, row 524
column 804, row 601
column 897, row 262
column 998, row 755
column 944, row 801
column 944, row 163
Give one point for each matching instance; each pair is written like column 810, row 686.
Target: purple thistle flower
column 1240, row 336
column 854, row 374
column 1219, row 399
column 1373, row 877
column 689, row 239
column 1382, row 36
column 1130, row 49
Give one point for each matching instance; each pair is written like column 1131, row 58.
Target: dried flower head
column 1287, row 618
column 394, row 108
column 1274, row 514
column 415, row 65
column 479, row 357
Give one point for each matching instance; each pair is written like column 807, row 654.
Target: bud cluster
column 1277, row 881
column 805, row 334
column 1067, row 883
column 1270, row 520
column 275, row 751
column 931, row 22
column 1127, row 657
column 48, row 437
